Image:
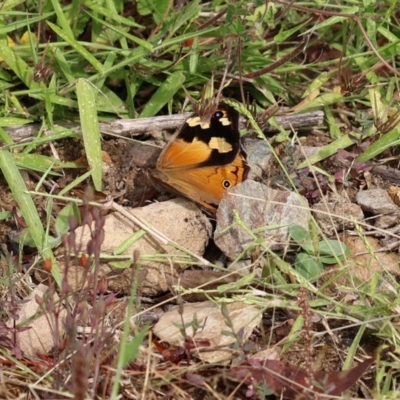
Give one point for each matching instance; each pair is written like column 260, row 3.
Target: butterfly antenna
column 208, row 103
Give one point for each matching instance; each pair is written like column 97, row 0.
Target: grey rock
column 386, row 221
column 337, row 216
column 259, row 157
column 258, row 206
column 377, row 202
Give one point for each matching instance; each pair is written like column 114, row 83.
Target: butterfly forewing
column 182, row 155
column 204, row 141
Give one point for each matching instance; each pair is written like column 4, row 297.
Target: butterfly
column 204, row 157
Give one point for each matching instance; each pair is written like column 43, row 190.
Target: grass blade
column 90, row 129
column 27, row 207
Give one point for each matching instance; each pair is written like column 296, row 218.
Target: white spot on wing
column 220, row 144
column 197, row 121
column 225, row 121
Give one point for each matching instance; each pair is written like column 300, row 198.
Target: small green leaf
column 194, row 56
column 64, row 23
column 334, row 20
column 302, row 237
column 114, row 18
column 308, row 266
column 25, row 238
column 123, row 33
column 245, row 281
column 334, row 127
column 179, row 39
column 5, row 137
column 294, row 332
column 62, row 220
column 330, row 247
column 332, row 251
column 18, row 65
column 188, row 12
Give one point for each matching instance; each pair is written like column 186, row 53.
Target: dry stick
column 140, row 126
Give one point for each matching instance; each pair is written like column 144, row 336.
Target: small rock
column 209, row 316
column 335, row 217
column 178, row 219
column 39, row 339
column 377, row 202
column 259, row 157
column 386, row 221
column 258, row 206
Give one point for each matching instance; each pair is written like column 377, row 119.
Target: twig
column 140, row 126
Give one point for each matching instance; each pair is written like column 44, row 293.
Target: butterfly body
column 203, row 158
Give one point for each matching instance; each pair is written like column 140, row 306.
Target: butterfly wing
column 206, row 185
column 202, row 159
column 211, row 141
